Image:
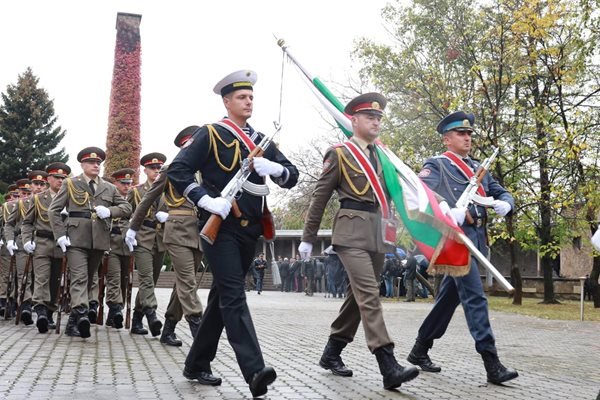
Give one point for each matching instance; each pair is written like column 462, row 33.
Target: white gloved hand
column 501, row 207
column 102, row 212
column 130, row 239
column 1, row 243
column 11, row 247
column 596, row 239
column 458, row 214
column 264, row 167
column 161, row 216
column 64, row 212
column 216, row 205
column 29, row 247
column 63, row 242
column 305, row 249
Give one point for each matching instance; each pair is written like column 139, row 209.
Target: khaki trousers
column 21, row 260
column 4, row 271
column 116, row 278
column 362, row 301
column 47, row 280
column 184, row 298
column 148, row 264
column 83, row 270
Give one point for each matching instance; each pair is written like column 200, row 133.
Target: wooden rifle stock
column 23, row 288
column 129, row 289
column 101, row 287
column 211, row 228
column 10, row 288
column 60, row 296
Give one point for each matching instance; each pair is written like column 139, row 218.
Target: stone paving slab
column 555, row 359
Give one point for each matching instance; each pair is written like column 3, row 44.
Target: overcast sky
column 187, row 46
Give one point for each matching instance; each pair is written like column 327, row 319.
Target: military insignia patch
column 190, row 141
column 424, row 173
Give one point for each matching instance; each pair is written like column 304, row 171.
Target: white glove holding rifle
column 457, row 214
column 29, row 247
column 63, row 242
column 264, row 167
column 215, row 205
column 11, row 247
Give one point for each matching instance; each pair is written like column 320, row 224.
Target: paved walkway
column 556, row 360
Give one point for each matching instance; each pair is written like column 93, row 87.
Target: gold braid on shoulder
column 137, row 198
column 22, row 209
column 40, row 209
column 237, row 155
column 343, row 160
column 74, row 191
column 176, row 201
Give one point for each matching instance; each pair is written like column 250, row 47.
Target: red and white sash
column 371, row 174
column 464, row 168
column 237, row 132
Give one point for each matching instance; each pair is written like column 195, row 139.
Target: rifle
column 13, row 280
column 24, row 281
column 211, row 227
column 60, row 296
column 101, row 286
column 129, row 289
column 470, row 194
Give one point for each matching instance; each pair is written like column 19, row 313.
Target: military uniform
column 4, row 254
column 47, row 257
column 150, row 251
column 12, row 231
column 358, row 241
column 216, row 152
column 183, row 244
column 117, row 274
column 86, row 235
column 444, row 177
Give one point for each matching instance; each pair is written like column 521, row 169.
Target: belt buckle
column 244, row 222
column 158, row 226
column 478, row 222
column 94, row 216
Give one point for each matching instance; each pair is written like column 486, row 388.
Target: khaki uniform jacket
column 36, row 221
column 6, row 209
column 351, row 228
column 12, row 226
column 76, row 195
column 182, row 225
column 146, row 235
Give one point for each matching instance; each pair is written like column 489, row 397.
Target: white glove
column 11, row 247
column 102, row 212
column 1, row 243
column 458, row 214
column 305, row 249
column 216, row 205
column 596, row 239
column 264, row 167
column 130, row 239
column 64, row 212
column 501, row 207
column 161, row 216
column 63, row 242
column 29, row 247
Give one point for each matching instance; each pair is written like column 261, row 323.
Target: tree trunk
column 595, row 286
column 515, row 272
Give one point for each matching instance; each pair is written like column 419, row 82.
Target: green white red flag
column 436, row 235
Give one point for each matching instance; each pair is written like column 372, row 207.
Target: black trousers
column 229, row 258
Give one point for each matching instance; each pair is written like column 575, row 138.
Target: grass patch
column 568, row 310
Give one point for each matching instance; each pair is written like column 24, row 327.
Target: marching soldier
column 150, row 250
column 217, row 151
column 353, row 170
column 14, row 244
column 90, row 202
column 11, row 199
column 183, row 244
column 38, row 240
column 448, row 175
column 119, row 256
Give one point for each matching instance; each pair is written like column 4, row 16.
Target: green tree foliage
column 527, row 69
column 28, row 135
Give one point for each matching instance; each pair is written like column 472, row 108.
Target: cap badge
column 375, row 105
column 466, row 122
column 93, row 155
column 127, row 176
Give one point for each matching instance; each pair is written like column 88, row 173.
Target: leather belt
column 115, row 230
column 80, row 214
column 149, row 224
column 44, row 234
column 186, row 213
column 357, row 205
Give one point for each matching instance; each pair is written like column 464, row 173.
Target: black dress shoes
column 260, row 381
column 204, row 377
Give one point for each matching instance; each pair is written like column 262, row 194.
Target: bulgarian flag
column 435, row 234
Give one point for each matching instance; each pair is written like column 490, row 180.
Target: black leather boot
column 168, row 336
column 153, row 322
column 2, row 307
column 260, row 380
column 83, row 322
column 71, row 329
column 332, row 360
column 204, row 377
column 42, row 318
column 194, row 322
column 136, row 324
column 393, row 373
column 496, row 372
column 51, row 323
column 26, row 315
column 93, row 312
column 116, row 312
column 418, row 356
